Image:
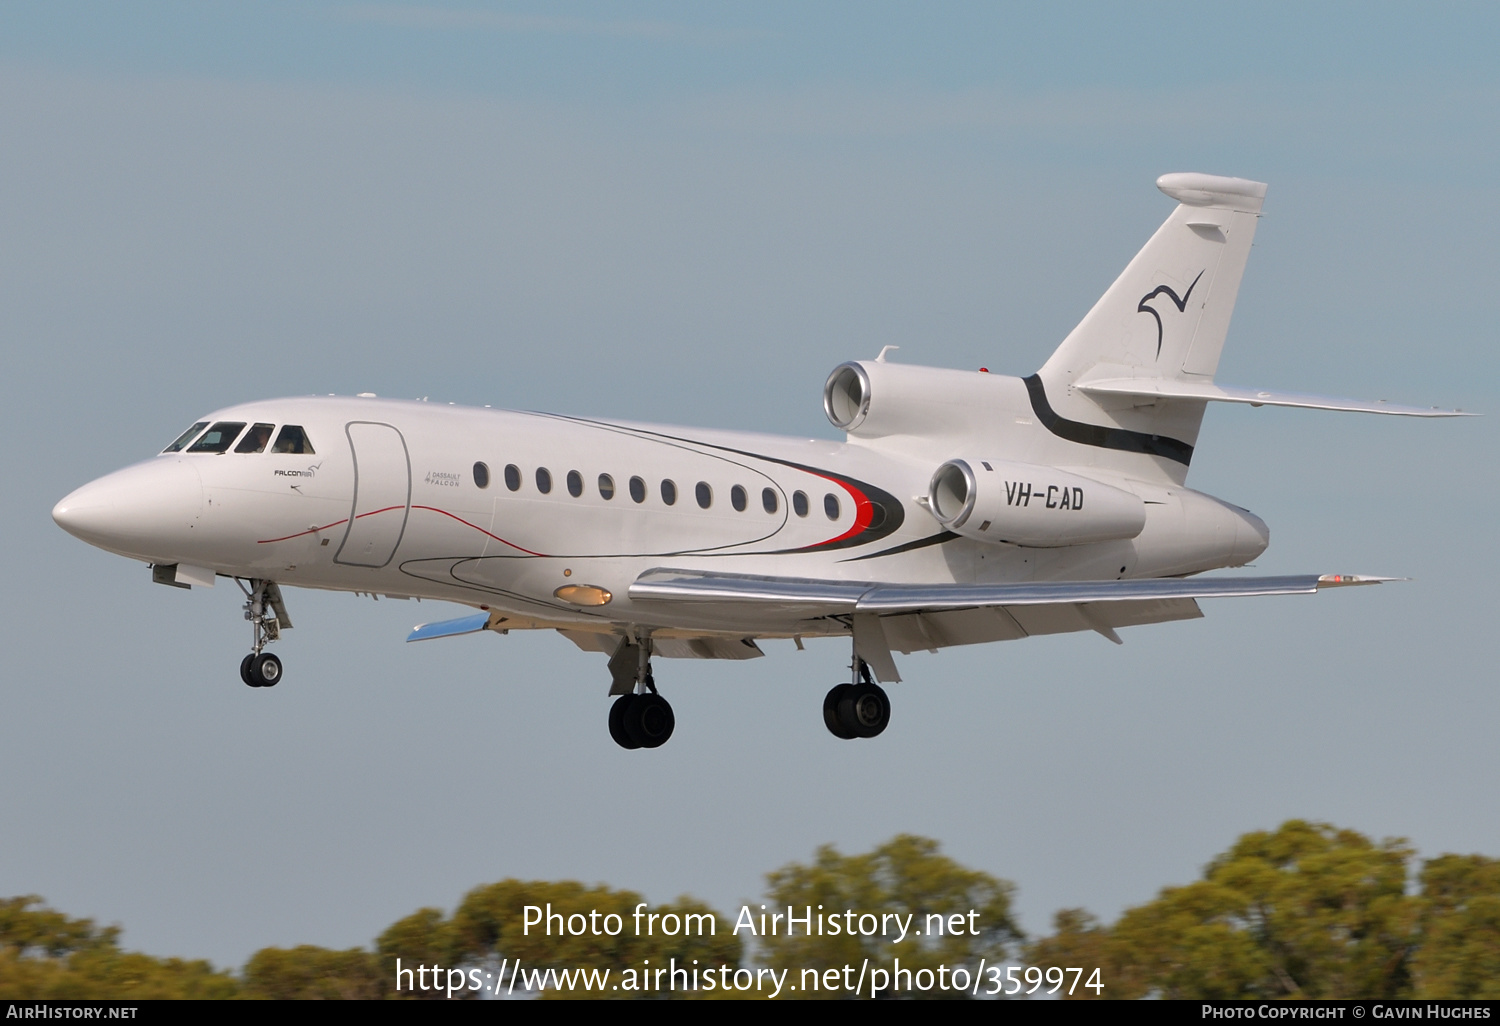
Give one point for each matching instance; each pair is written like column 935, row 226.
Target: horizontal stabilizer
column 839, row 597
column 451, row 628
column 1176, row 388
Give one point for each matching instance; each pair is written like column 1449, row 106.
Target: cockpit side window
column 255, row 439
column 294, row 440
column 186, row 437
column 219, row 437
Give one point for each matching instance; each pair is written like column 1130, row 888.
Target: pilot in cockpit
column 293, row 440
column 255, row 439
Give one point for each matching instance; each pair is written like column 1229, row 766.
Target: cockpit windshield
column 219, row 437
column 255, row 439
column 294, row 440
column 186, row 437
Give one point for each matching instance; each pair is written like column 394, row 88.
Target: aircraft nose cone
column 142, row 511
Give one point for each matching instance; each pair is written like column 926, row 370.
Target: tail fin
column 1164, row 318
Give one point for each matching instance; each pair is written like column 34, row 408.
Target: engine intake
column 1023, row 504
column 870, row 399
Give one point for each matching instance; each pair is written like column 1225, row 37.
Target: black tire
column 266, row 670
column 649, row 720
column 864, row 710
column 245, row 670
column 617, row 729
column 831, row 712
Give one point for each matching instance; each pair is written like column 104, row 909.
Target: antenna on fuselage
column 883, row 351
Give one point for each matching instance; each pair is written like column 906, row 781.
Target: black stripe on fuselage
column 920, row 543
column 1120, row 439
column 884, row 501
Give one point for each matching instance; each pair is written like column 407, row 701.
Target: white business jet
column 963, row 506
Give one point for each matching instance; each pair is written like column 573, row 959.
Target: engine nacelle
column 1024, row 504
column 871, row 399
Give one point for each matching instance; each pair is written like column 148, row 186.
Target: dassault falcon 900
column 962, row 507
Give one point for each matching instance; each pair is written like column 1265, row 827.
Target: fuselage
column 550, row 518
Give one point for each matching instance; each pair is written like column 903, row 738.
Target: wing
column 909, row 617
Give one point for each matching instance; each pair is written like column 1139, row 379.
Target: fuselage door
column 382, row 495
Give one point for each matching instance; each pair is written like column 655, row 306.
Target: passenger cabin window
column 831, row 506
column 637, row 490
column 293, row 440
column 219, row 437
column 543, row 480
column 255, row 439
column 481, row 475
column 669, row 492
column 513, row 477
column 606, row 487
column 799, row 503
column 186, row 437
column 768, row 500
column 704, row 495
column 737, row 499
column 575, row 483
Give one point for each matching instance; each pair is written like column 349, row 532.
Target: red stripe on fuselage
column 481, row 530
column 864, row 512
column 371, row 513
column 299, row 534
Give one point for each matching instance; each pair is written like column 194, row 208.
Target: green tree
column 489, row 927
column 44, row 954
column 1306, row 911
column 907, row 876
column 1459, row 956
column 424, row 939
column 310, row 973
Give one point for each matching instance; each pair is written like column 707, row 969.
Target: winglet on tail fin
column 1164, row 321
column 1167, row 314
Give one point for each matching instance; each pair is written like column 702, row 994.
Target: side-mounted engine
column 1024, row 504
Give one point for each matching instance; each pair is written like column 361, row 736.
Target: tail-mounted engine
column 1023, row 504
column 873, row 399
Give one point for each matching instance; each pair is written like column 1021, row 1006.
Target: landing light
column 583, row 595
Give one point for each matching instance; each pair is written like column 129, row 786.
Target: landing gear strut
column 858, row 709
column 267, row 615
column 640, row 718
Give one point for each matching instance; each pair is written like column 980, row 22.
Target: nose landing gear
column 266, row 612
column 640, row 718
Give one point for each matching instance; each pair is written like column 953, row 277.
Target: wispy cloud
column 443, row 19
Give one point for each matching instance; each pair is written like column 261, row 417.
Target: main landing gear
column 267, row 615
column 857, row 709
column 640, row 718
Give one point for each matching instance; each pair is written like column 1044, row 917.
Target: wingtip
column 1346, row 580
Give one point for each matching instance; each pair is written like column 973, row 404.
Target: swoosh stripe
column 433, row 509
column 1120, row 439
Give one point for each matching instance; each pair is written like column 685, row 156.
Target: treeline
column 1306, row 911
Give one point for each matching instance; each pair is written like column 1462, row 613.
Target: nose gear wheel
column 267, row 615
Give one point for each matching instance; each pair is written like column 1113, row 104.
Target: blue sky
column 690, row 213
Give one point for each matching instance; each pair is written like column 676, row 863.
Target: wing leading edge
column 836, row 597
column 912, row 617
column 1156, row 388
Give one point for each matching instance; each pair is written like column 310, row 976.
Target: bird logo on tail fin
column 1167, row 291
